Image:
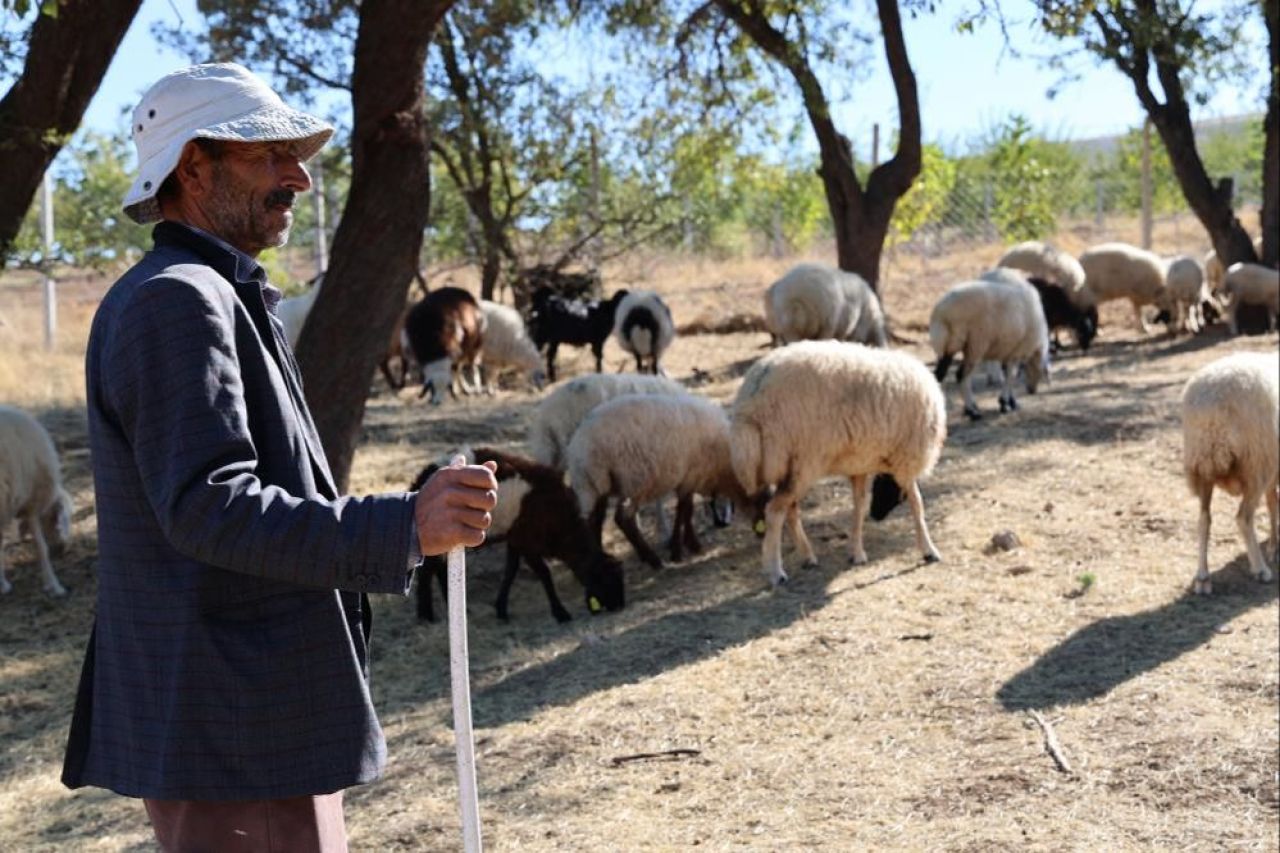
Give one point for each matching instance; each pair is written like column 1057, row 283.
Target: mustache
column 281, row 198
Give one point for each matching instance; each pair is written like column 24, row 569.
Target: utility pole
column 1146, row 184
column 50, row 295
column 317, row 198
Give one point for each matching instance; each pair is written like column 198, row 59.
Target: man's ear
column 194, row 170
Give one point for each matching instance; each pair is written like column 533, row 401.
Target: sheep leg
column 51, row 584
column 1273, row 507
column 543, row 571
column 639, row 363
column 625, row 517
column 551, row 360
column 595, row 520
column 1138, row 318
column 432, row 567
column 861, row 497
column 797, row 535
column 771, row 548
column 965, row 377
column 660, row 519
column 509, row 570
column 1201, row 584
column 1244, row 520
column 684, row 512
column 1007, row 401
column 598, row 351
column 923, row 542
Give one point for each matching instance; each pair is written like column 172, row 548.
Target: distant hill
column 1101, row 146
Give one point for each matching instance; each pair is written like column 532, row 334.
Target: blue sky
column 966, row 85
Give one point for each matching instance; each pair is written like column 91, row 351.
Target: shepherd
column 226, row 681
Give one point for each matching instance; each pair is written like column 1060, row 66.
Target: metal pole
column 460, row 688
column 875, row 145
column 1146, row 184
column 50, row 296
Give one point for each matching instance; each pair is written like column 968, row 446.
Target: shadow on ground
column 1101, row 656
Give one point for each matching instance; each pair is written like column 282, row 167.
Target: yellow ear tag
column 759, row 527
column 594, row 604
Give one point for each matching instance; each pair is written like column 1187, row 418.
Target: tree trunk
column 861, row 217
column 375, row 249
column 1271, row 151
column 67, row 57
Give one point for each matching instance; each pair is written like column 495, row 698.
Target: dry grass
column 882, row 707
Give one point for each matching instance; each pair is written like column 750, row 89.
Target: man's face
column 250, row 199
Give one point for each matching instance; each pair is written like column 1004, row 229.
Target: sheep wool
column 1187, row 292
column 1252, row 284
column 643, row 327
column 555, row 419
column 31, row 492
column 822, row 408
column 815, row 302
column 507, row 344
column 1230, row 410
column 1042, row 260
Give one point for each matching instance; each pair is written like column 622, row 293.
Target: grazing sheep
column 555, row 320
column 643, row 327
column 1215, row 274
column 639, row 448
column 557, row 417
column 1043, row 261
column 31, row 492
column 999, row 318
column 538, row 518
column 1252, row 284
column 443, row 331
column 1187, row 294
column 506, row 345
column 293, row 310
column 822, row 408
column 1121, row 271
column 815, row 302
column 1230, row 410
column 1060, row 308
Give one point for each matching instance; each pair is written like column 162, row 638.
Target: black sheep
column 555, row 320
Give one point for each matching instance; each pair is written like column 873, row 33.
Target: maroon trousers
column 293, row 825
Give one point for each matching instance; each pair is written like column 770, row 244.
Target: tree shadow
column 1103, row 655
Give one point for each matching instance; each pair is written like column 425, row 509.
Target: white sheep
column 822, row 408
column 815, row 302
column 554, row 420
column 31, row 492
column 1051, row 264
column 293, row 310
column 1230, row 410
column 1121, row 271
column 641, row 447
column 643, row 326
column 1215, row 273
column 1187, row 293
column 1252, row 284
column 998, row 318
column 506, row 345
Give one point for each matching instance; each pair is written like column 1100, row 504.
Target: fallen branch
column 1051, row 744
column 619, row 760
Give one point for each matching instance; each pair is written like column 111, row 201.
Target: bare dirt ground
column 883, row 707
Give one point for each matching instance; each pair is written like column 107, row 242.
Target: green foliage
column 927, row 198
column 90, row 230
column 1025, row 202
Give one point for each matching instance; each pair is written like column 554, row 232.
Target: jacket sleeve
column 174, row 384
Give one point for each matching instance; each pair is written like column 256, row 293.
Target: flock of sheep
column 831, row 399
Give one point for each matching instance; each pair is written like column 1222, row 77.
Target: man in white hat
column 226, row 679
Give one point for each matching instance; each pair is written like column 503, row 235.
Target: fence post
column 317, row 199
column 1098, row 211
column 988, row 227
column 1146, row 183
column 875, row 145
column 50, row 295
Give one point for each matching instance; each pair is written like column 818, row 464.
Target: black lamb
column 555, row 320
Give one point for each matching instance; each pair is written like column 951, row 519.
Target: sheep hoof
column 1013, row 404
column 60, row 591
column 972, row 413
column 1202, row 587
column 1004, row 406
column 562, row 616
column 1264, row 576
column 779, row 579
column 932, row 557
column 857, row 559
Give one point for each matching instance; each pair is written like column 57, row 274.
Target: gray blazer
column 229, row 656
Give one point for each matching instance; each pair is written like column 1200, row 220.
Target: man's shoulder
column 166, row 267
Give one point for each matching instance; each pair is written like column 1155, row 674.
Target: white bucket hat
column 216, row 101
